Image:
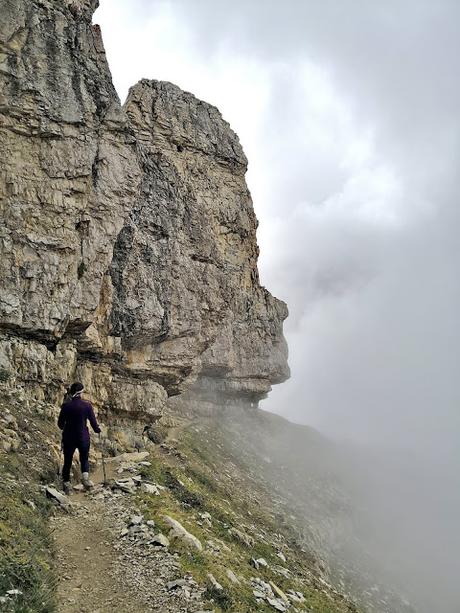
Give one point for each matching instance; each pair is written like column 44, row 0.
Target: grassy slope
column 26, row 558
column 205, row 474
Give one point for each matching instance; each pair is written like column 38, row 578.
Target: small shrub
column 181, row 492
column 81, row 270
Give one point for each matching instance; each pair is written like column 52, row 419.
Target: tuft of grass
column 181, row 492
column 221, row 597
column 81, row 270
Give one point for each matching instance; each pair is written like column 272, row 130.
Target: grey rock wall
column 69, row 170
column 128, row 237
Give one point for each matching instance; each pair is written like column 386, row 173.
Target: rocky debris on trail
column 136, row 520
column 150, row 488
column 134, row 561
column 125, row 485
column 129, row 485
column 171, row 585
column 57, row 497
column 179, row 532
column 129, row 458
column 134, row 556
column 160, row 539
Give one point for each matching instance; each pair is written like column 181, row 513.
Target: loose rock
column 179, row 532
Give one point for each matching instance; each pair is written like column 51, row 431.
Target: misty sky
column 348, row 111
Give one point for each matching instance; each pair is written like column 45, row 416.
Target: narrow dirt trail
column 107, row 567
column 87, row 559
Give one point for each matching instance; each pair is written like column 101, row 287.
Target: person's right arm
column 62, row 417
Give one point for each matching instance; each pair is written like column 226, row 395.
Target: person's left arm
column 92, row 419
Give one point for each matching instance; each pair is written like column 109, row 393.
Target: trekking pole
column 103, row 461
column 60, row 465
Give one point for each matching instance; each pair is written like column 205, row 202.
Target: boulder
column 214, row 583
column 278, row 591
column 150, row 488
column 231, row 575
column 179, row 532
column 278, row 604
column 242, row 537
column 57, row 496
column 136, row 520
column 160, row 539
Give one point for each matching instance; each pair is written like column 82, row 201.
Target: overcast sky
column 348, row 111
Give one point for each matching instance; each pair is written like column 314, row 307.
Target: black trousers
column 69, row 448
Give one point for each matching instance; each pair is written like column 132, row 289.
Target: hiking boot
column 67, row 487
column 87, row 483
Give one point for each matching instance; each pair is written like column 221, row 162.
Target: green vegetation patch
column 26, row 561
column 181, row 492
column 26, row 543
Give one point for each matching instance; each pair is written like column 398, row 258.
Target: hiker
column 75, row 412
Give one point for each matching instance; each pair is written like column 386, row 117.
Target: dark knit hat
column 76, row 388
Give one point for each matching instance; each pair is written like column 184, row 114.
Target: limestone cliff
column 128, row 237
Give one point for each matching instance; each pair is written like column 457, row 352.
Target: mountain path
column 103, row 571
column 86, row 557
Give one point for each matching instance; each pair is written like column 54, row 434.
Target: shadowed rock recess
column 128, row 237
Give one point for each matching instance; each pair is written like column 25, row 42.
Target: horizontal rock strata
column 128, row 242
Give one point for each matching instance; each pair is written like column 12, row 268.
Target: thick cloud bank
column 349, row 114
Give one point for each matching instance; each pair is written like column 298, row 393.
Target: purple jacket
column 73, row 417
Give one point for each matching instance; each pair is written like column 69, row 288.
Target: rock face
column 69, row 171
column 128, row 243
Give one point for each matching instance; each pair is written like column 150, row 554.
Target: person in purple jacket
column 74, row 415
